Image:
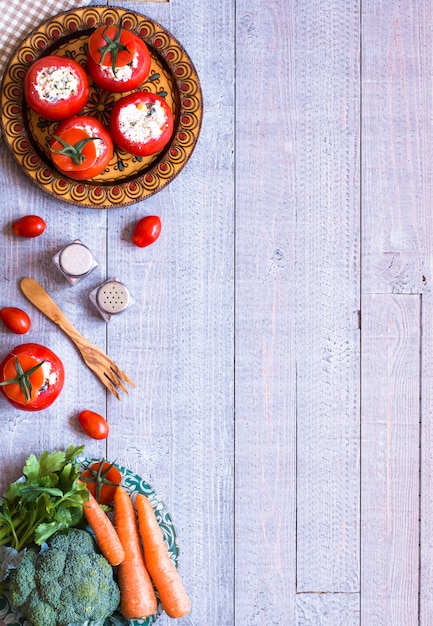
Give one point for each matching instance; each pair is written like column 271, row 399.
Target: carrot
column 161, row 568
column 105, row 533
column 137, row 596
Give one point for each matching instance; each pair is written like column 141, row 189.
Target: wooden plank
column 397, row 139
column 396, row 200
column 390, row 459
column 324, row 80
column 327, row 609
column 296, row 360
column 265, row 377
column 176, row 428
column 426, row 487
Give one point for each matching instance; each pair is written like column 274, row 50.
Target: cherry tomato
column 16, row 320
column 93, row 424
column 40, row 381
column 146, row 231
column 141, row 123
column 56, row 87
column 29, row 226
column 127, row 70
column 97, row 478
column 81, row 147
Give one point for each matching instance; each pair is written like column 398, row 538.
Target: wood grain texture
column 426, row 469
column 396, row 258
column 390, row 460
column 265, row 375
column 397, row 145
column 327, row 609
column 325, row 200
column 296, row 255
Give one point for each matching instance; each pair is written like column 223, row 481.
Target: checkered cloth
column 20, row 17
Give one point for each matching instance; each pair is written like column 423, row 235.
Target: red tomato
column 112, row 45
column 126, row 76
column 16, row 320
column 29, row 226
column 56, row 87
column 81, row 147
column 93, row 424
column 146, row 231
column 141, row 123
column 102, row 479
column 37, row 386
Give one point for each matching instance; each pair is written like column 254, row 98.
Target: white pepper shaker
column 111, row 298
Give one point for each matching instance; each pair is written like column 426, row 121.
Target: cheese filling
column 123, row 73
column 98, row 143
column 50, row 377
column 56, row 83
column 143, row 122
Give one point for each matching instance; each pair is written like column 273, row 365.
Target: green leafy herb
column 50, row 498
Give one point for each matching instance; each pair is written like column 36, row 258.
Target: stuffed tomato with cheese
column 118, row 60
column 56, row 87
column 141, row 123
column 81, row 147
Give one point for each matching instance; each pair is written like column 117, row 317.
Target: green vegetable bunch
column 49, row 499
column 69, row 582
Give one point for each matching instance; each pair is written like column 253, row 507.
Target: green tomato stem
column 113, row 46
column 23, row 378
column 74, row 152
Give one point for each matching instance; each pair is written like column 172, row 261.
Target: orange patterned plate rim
column 128, row 179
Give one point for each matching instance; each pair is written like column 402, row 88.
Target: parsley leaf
column 48, row 499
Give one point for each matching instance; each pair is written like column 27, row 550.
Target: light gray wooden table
column 282, row 332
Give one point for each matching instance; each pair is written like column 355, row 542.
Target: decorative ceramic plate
column 134, row 484
column 128, row 178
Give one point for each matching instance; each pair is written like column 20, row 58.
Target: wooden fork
column 100, row 364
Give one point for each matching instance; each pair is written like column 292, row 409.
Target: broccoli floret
column 39, row 612
column 24, row 577
column 69, row 582
column 73, row 541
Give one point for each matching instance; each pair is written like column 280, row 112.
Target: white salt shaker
column 75, row 261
